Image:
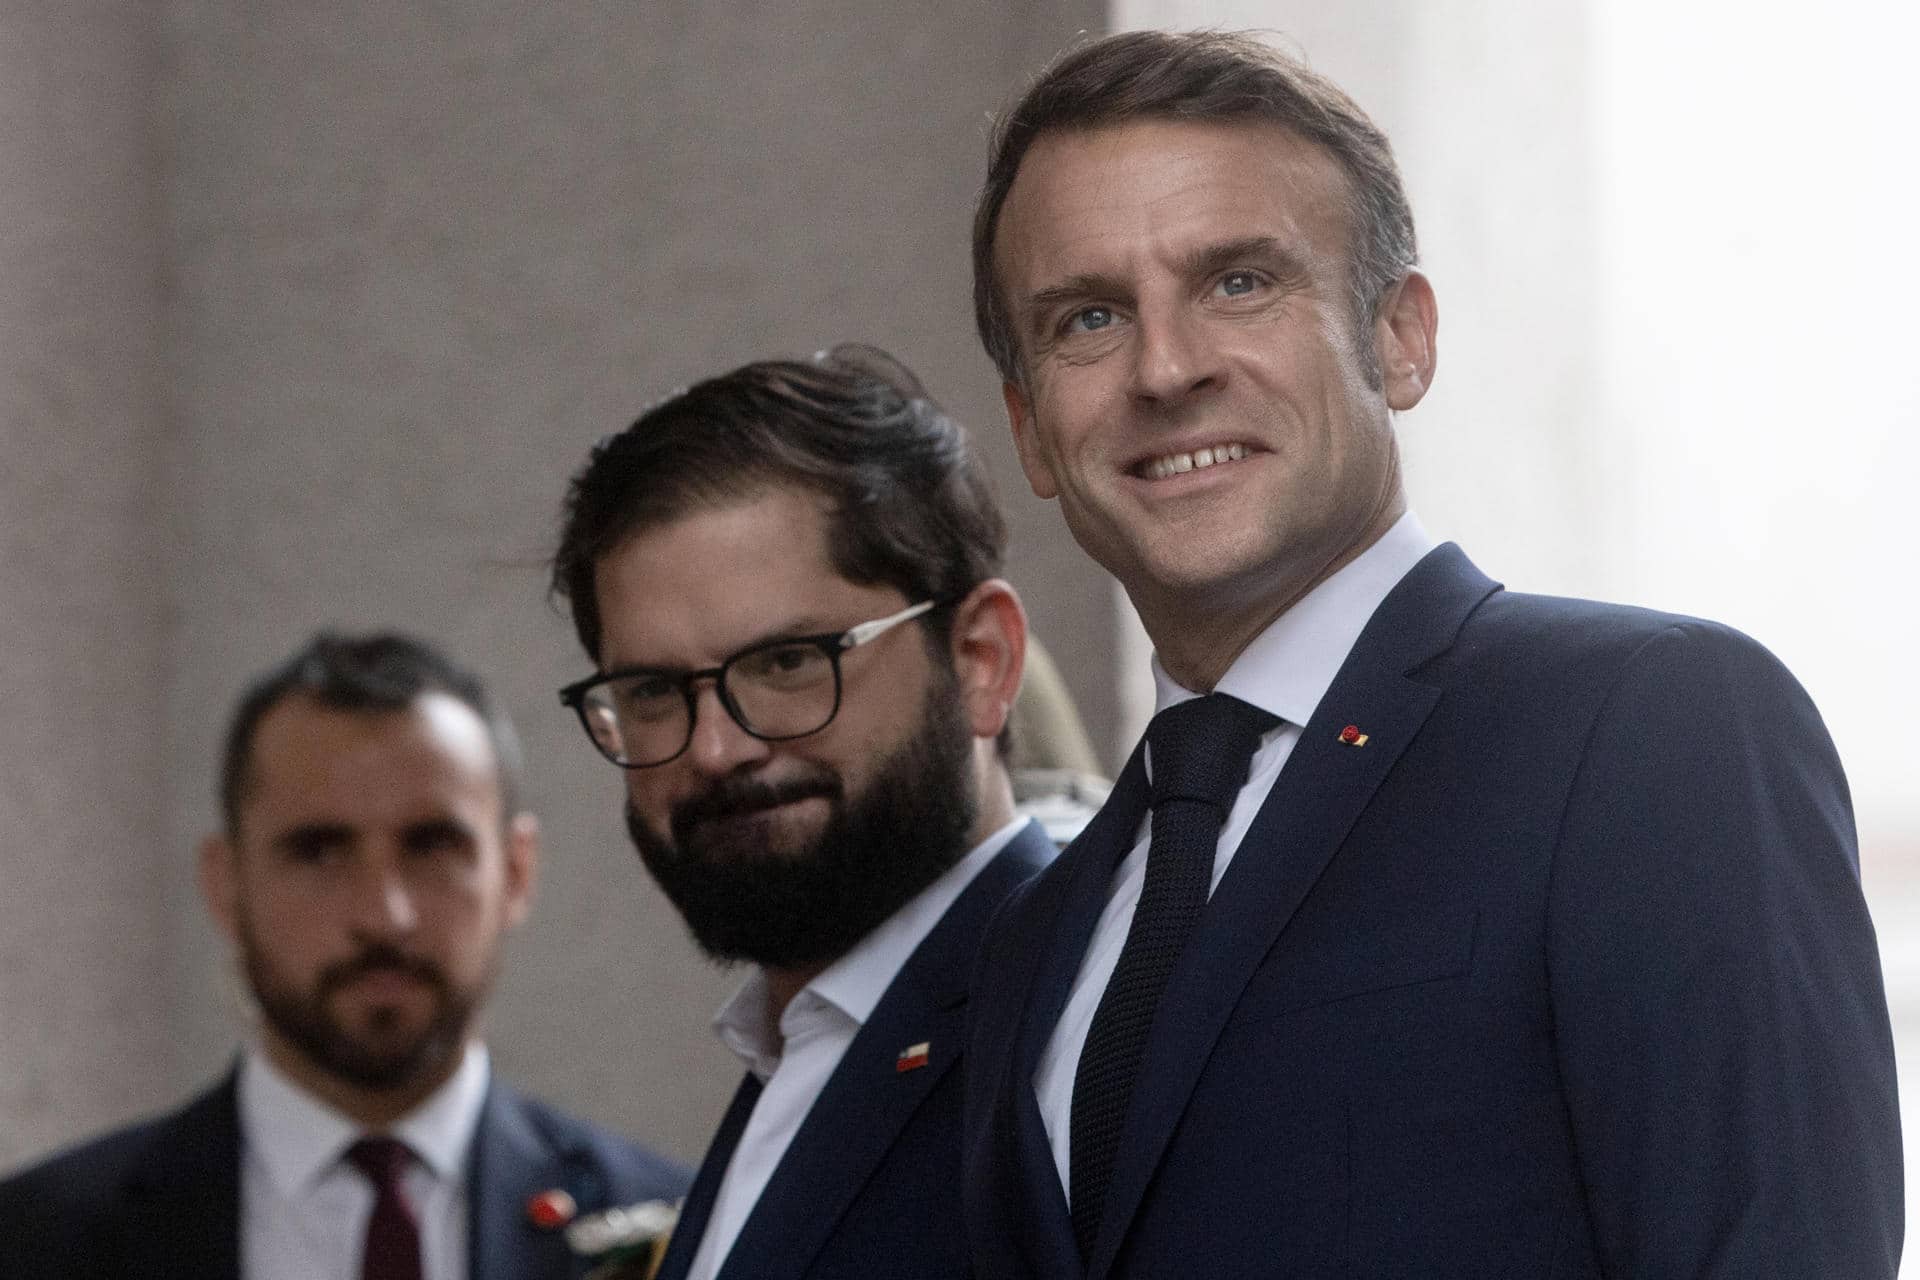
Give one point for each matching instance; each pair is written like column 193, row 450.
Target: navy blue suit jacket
column 161, row 1199
column 869, row 1186
column 1565, row 973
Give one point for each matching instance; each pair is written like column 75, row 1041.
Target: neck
column 993, row 792
column 374, row 1110
column 1198, row 638
column 784, row 984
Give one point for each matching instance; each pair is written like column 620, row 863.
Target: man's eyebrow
column 429, row 829
column 804, row 627
column 307, row 835
column 1075, row 288
column 1262, row 251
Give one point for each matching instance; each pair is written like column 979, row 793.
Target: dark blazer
column 1564, row 973
column 161, row 1200
column 869, row 1187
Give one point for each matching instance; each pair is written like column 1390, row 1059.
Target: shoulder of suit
column 1561, row 630
column 81, row 1180
column 637, row 1172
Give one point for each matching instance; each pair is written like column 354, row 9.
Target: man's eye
column 1236, row 284
column 646, row 698
column 437, row 839
column 310, row 850
column 791, row 658
column 787, row 664
column 1089, row 319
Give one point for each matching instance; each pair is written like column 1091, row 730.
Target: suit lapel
column 183, row 1218
column 1314, row 803
column 868, row 1101
column 1060, row 926
column 513, row 1159
column 1089, row 863
column 692, row 1224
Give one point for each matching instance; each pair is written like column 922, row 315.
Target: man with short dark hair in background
column 1472, row 933
column 373, row 859
column 786, row 578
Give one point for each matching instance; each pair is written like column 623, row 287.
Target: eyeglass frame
column 831, row 643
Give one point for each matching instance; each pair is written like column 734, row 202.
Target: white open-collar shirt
column 304, row 1210
column 1286, row 670
column 794, row 1059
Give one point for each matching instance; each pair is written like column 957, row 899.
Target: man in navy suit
column 1527, row 936
column 373, row 859
column 786, row 579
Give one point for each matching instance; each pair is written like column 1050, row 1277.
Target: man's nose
column 384, row 900
column 1175, row 356
column 719, row 744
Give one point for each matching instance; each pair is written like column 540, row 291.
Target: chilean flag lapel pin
column 551, row 1209
column 1352, row 736
column 913, row 1057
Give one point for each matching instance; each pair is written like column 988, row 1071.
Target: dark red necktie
column 393, row 1233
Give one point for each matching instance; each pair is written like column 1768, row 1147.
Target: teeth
column 1174, row 464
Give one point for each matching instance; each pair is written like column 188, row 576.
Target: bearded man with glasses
column 786, row 579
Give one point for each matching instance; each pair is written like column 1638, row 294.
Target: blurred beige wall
column 85, row 1032
column 308, row 313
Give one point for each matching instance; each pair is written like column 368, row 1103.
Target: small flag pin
column 551, row 1209
column 913, row 1056
column 1352, row 736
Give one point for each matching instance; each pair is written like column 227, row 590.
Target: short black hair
column 908, row 503
column 369, row 674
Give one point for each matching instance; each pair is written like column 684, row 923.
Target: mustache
column 380, row 957
column 733, row 797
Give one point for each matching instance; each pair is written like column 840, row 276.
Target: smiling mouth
column 1173, row 464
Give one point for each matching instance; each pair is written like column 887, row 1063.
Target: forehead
column 1108, row 198
column 694, row 590
column 313, row 762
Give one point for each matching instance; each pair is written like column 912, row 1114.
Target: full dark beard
column 783, row 908
column 380, row 1057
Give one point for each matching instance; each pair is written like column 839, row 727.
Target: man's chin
column 386, row 1061
column 386, row 1043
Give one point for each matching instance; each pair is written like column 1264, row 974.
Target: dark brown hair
column 370, row 675
column 1198, row 76
column 908, row 503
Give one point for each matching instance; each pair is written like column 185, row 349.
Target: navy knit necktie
column 1200, row 752
column 393, row 1234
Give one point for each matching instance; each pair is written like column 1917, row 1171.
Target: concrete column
column 83, row 930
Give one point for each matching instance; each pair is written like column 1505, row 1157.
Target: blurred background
column 308, row 312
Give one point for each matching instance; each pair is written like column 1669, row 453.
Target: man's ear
column 989, row 649
column 1404, row 340
column 219, row 876
column 1020, row 418
column 523, row 865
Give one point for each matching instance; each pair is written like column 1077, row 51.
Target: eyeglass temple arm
column 866, row 631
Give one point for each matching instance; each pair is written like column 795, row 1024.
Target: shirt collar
column 851, row 987
column 298, row 1138
column 1289, row 666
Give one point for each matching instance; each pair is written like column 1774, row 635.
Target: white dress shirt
column 795, row 1059
column 304, row 1210
column 1286, row 670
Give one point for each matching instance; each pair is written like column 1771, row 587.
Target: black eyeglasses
column 782, row 689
